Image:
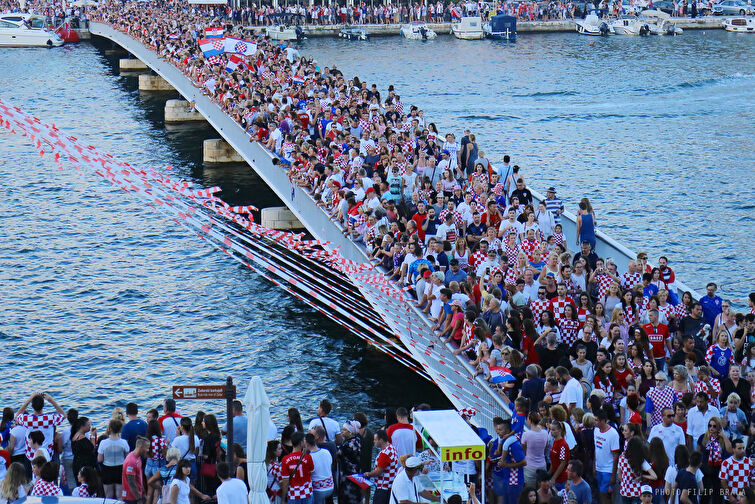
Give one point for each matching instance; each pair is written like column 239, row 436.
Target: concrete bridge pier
column 180, row 111
column 280, row 218
column 131, row 64
column 217, row 150
column 149, row 82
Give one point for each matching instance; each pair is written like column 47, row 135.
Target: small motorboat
column 631, row 26
column 594, row 26
column 354, row 34
column 501, row 27
column 661, row 23
column 26, row 30
column 286, row 26
column 418, row 30
column 468, row 28
column 739, row 25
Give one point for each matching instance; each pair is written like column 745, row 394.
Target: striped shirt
column 552, row 205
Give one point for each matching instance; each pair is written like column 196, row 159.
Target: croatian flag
column 173, row 36
column 360, row 480
column 298, row 79
column 500, row 375
column 211, row 47
column 213, row 32
column 234, row 62
column 239, row 46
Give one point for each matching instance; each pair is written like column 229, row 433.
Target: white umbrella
column 258, row 412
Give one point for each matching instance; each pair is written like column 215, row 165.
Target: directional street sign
column 200, row 391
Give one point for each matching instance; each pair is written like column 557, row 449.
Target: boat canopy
column 501, row 23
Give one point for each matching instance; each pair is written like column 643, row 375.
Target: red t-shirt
column 132, row 466
column 559, row 453
column 419, row 219
column 635, row 417
column 623, row 378
column 300, row 485
column 657, row 336
column 529, row 346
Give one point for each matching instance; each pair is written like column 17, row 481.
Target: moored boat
column 739, row 25
column 501, row 27
column 354, row 34
column 418, row 31
column 468, row 28
column 25, row 30
column 631, row 26
column 661, row 23
column 594, row 26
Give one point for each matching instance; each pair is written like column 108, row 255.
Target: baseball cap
column 646, row 489
column 427, row 274
column 552, row 189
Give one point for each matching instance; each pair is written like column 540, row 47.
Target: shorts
column 112, row 475
column 153, row 466
column 500, row 484
column 604, row 481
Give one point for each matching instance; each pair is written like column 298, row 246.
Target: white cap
column 646, row 489
column 413, row 462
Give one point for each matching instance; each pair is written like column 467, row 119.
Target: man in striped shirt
column 554, row 205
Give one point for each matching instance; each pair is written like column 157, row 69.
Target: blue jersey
column 514, row 453
column 720, row 359
column 711, row 308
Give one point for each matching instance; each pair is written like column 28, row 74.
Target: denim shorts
column 604, row 481
column 153, row 466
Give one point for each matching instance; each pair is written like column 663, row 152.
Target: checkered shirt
column 385, row 480
column 680, row 311
column 538, row 306
column 38, row 422
column 300, row 491
column 569, row 330
column 479, row 178
column 629, row 280
column 557, row 306
column 478, row 257
column 739, row 474
column 629, row 315
column 604, row 282
column 512, row 274
column 158, row 445
column 81, row 491
column 558, row 238
column 667, row 311
column 458, row 218
column 43, row 488
column 630, row 482
column 528, row 247
column 606, row 387
column 512, row 252
column 661, row 399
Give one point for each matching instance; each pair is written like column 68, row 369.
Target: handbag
column 208, row 470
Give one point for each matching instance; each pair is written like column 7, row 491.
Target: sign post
column 227, row 392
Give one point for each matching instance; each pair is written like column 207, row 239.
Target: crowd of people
column 587, row 349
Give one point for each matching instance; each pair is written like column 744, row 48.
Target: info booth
column 455, row 442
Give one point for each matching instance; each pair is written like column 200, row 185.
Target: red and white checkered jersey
column 557, row 306
column 387, row 459
column 661, row 399
column 538, row 306
column 45, row 423
column 458, row 218
column 667, row 311
column 477, row 258
column 569, row 330
column 528, row 247
column 158, row 445
column 604, row 282
column 681, row 311
column 738, row 474
column 629, row 280
column 81, row 491
column 630, row 481
column 512, row 252
column 44, row 488
column 300, row 483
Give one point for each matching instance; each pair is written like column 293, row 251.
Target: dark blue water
column 104, row 301
column 658, row 132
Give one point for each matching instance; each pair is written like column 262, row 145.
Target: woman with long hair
column 680, row 381
column 605, row 380
column 180, row 486
column 622, row 373
column 629, row 307
column 188, row 444
column 646, row 377
column 273, row 463
column 643, row 342
column 681, row 462
column 569, row 325
column 716, row 448
column 634, row 469
column 659, row 463
column 158, row 446
column 612, row 299
column 239, row 458
column 294, row 418
column 720, row 355
column 89, row 484
column 211, row 454
column 461, row 252
column 534, row 444
column 15, row 483
column 111, row 453
column 559, row 455
column 585, row 308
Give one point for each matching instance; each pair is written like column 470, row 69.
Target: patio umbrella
column 258, row 408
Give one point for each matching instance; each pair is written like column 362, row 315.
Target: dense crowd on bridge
column 580, row 348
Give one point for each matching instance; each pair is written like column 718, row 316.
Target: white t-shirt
column 272, row 431
column 232, row 491
column 323, row 462
column 672, row 436
column 19, row 434
column 404, row 489
column 606, row 443
column 182, row 443
column 572, row 393
column 331, row 426
column 67, row 453
column 113, row 451
column 404, row 441
column 183, row 490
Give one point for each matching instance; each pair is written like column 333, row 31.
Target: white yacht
column 661, row 23
column 286, row 26
column 631, row 26
column 594, row 26
column 739, row 25
column 468, row 28
column 418, row 31
column 25, row 30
